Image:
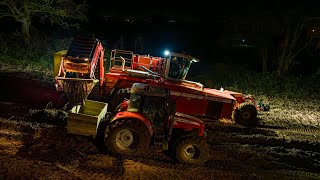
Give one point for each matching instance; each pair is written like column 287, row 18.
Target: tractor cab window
column 155, row 109
column 134, row 103
column 179, row 67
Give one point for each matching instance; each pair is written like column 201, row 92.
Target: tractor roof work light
column 166, row 52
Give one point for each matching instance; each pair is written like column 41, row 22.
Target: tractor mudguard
column 188, row 123
column 137, row 116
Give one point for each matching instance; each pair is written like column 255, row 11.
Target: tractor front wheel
column 129, row 137
column 192, row 151
column 245, row 114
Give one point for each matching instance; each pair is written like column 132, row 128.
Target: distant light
column 312, row 30
column 166, row 52
column 243, row 40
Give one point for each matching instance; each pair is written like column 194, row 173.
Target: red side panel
column 188, row 123
column 144, row 61
column 135, row 62
column 202, row 106
column 227, row 109
column 110, row 82
column 186, row 105
column 154, row 63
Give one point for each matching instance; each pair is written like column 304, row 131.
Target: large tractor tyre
column 245, row 114
column 118, row 98
column 129, row 137
column 192, row 151
column 99, row 140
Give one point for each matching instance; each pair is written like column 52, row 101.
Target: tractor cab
column 174, row 67
column 178, row 65
column 153, row 102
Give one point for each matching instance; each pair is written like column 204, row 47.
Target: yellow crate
column 84, row 120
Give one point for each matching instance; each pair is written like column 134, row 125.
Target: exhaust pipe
column 123, row 63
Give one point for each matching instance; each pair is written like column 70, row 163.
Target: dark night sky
column 196, row 26
column 196, row 29
column 200, row 8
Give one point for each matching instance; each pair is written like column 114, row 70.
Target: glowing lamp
column 166, row 53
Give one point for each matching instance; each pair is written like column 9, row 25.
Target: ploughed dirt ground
column 36, row 146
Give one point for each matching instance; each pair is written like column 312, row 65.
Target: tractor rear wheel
column 129, row 137
column 245, row 114
column 192, row 151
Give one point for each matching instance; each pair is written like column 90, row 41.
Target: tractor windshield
column 134, row 103
column 179, row 67
column 154, row 108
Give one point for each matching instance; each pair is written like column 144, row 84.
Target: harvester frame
column 192, row 98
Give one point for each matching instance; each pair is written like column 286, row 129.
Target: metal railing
column 117, row 57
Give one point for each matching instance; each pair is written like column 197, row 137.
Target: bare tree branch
column 294, row 48
column 66, row 13
column 5, row 15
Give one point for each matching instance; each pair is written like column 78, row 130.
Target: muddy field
column 32, row 146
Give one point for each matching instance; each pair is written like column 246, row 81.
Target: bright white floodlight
column 166, row 52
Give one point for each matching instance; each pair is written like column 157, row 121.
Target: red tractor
column 84, row 59
column 147, row 119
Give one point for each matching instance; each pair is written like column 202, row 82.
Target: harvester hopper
column 76, row 89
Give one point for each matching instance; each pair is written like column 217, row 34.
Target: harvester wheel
column 245, row 114
column 129, row 137
column 192, row 151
